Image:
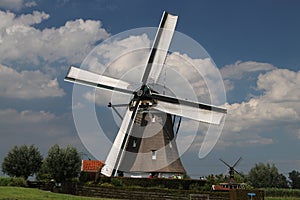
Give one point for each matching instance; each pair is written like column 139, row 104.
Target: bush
column 20, row 182
column 4, row 181
column 116, row 182
column 106, row 185
column 280, row 192
column 196, row 187
column 152, row 183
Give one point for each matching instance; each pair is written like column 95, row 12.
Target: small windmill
column 136, row 148
column 232, row 170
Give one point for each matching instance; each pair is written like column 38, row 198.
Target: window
column 154, row 154
column 134, row 143
column 153, row 119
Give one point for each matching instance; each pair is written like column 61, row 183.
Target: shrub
column 280, row 192
column 116, row 182
column 158, row 183
column 4, row 181
column 196, row 187
column 106, row 185
column 20, row 182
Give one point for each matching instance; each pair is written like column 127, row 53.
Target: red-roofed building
column 90, row 169
column 91, row 165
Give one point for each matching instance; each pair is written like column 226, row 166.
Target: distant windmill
column 232, row 170
column 232, row 184
column 136, row 149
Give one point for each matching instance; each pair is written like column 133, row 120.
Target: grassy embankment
column 7, row 192
column 282, row 198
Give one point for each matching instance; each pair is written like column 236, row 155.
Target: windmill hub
column 142, row 97
column 139, row 93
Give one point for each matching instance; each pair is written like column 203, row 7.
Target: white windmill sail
column 153, row 69
column 84, row 77
column 190, row 112
column 189, row 109
column 160, row 48
column 111, row 160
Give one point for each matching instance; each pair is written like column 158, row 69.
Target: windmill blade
column 193, row 110
column 237, row 172
column 237, row 162
column 84, row 77
column 225, row 163
column 160, row 48
column 116, row 153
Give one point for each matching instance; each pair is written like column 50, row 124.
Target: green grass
column 19, row 193
column 282, row 198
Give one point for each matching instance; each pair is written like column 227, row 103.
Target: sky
column 254, row 44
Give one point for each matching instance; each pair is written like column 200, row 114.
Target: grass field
column 19, row 193
column 282, row 198
column 16, row 193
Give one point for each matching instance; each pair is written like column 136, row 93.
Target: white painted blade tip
column 106, row 171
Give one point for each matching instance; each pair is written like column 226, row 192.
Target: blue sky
column 255, row 44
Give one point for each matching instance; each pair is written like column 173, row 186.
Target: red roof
column 91, row 165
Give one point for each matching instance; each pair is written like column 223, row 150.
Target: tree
column 294, row 176
column 262, row 175
column 62, row 163
column 22, row 161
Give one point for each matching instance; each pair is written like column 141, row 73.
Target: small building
column 92, row 166
column 90, row 169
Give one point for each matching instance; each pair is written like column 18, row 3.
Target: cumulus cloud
column 280, row 85
column 27, row 84
column 243, row 71
column 239, row 69
column 20, row 41
column 201, row 77
column 277, row 107
column 16, row 5
column 11, row 4
column 30, row 4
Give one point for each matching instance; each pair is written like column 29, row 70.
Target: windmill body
column 151, row 147
column 145, row 142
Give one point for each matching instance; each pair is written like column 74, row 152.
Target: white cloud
column 116, row 56
column 239, row 69
column 280, row 85
column 28, row 124
column 10, row 117
column 27, row 84
column 277, row 108
column 20, row 41
column 30, row 4
column 201, row 79
column 11, row 4
column 16, row 5
column 25, row 20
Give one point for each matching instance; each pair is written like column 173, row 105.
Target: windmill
column 232, row 170
column 232, row 184
column 137, row 148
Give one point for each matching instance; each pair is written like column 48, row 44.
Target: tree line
column 60, row 164
column 63, row 164
column 261, row 176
